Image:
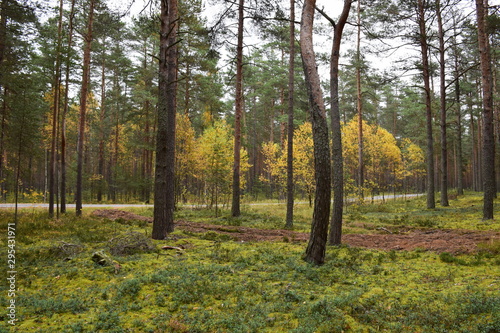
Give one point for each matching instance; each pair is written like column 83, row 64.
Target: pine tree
column 335, row 235
column 83, row 107
column 235, row 206
column 488, row 148
column 315, row 252
column 163, row 222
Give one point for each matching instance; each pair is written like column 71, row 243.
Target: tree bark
column 316, row 248
column 83, row 109
column 65, row 108
column 361, row 171
column 102, row 114
column 289, row 165
column 442, row 92
column 164, row 204
column 459, row 158
column 3, row 36
column 335, row 237
column 488, row 140
column 427, row 97
column 235, row 207
column 55, row 116
column 3, row 127
column 3, row 90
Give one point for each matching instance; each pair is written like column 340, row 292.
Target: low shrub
column 130, row 243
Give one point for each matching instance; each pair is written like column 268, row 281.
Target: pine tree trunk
column 316, row 248
column 235, row 207
column 83, row 109
column 55, row 116
column 65, row 108
column 165, row 145
column 102, row 114
column 3, row 126
column 361, row 171
column 488, row 140
column 3, row 36
column 460, row 163
column 442, row 91
column 291, row 85
column 426, row 76
column 335, row 237
column 459, row 158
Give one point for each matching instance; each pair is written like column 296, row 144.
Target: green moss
column 217, row 285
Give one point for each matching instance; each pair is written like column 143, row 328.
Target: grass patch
column 217, row 285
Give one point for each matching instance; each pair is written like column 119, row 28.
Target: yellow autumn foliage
column 275, row 161
column 384, row 161
column 214, row 160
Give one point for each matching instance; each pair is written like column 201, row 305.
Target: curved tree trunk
column 316, row 247
column 335, row 236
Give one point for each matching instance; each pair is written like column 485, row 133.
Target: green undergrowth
column 464, row 212
column 395, row 214
column 263, row 216
column 208, row 283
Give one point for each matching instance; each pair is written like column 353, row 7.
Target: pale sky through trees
column 386, row 61
column 133, row 8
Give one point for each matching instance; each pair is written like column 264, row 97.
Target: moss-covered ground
column 213, row 284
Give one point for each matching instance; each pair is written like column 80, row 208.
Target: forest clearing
column 401, row 268
column 454, row 241
column 253, row 137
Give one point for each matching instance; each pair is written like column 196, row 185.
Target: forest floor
column 454, row 241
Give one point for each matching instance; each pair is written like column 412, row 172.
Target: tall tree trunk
column 3, row 128
column 361, row 178
column 427, row 95
column 102, row 114
column 187, row 88
column 271, row 121
column 335, row 236
column 282, row 123
column 254, row 150
column 114, row 147
column 3, row 36
column 476, row 172
column 282, row 107
column 235, row 207
column 3, row 89
column 83, row 109
column 442, row 92
column 459, row 158
column 488, row 149
column 55, row 116
column 460, row 162
column 291, row 85
column 65, row 108
column 165, row 145
column 147, row 166
column 316, row 248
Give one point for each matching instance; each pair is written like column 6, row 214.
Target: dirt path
column 437, row 240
